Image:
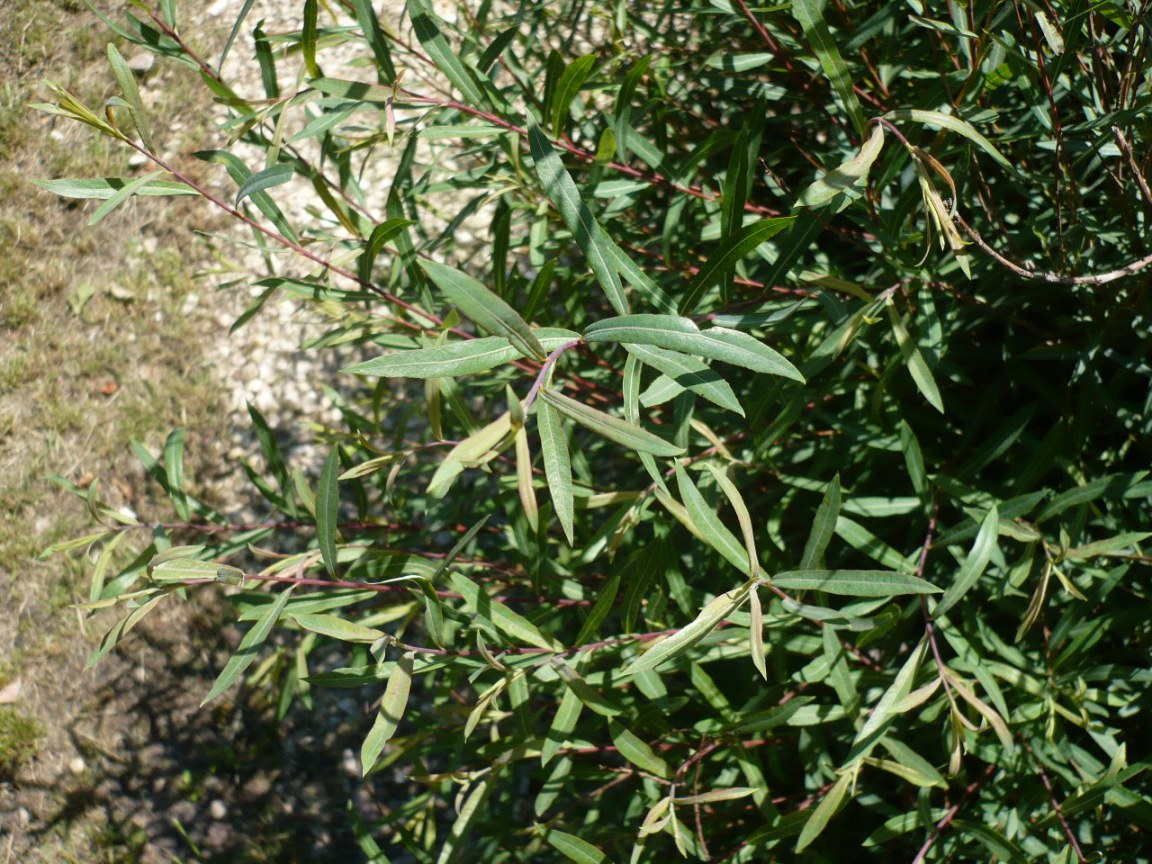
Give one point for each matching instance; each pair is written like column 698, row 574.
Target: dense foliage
column 776, row 475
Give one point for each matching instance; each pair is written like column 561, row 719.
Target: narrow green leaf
column 613, row 428
column 240, row 174
column 308, row 37
column 952, row 124
column 743, row 517
column 715, row 611
column 122, row 195
column 360, row 91
column 575, row 849
column 573, row 78
column 592, row 698
column 1110, row 485
column 182, row 570
column 328, row 510
column 637, row 751
column 974, row 564
column 1111, row 546
column 127, row 81
column 716, row 795
column 914, row 360
column 726, row 256
column 708, row 525
column 913, row 459
column 477, row 449
column 590, row 237
column 756, row 632
column 888, row 707
column 275, row 175
column 100, row 570
column 247, row 652
column 381, row 234
column 823, row 527
column 337, row 628
column 824, row 812
column 370, row 27
column 489, row 312
column 101, row 189
column 426, row 25
column 392, row 707
column 454, row 359
column 563, row 724
column 525, row 485
column 234, row 32
column 460, row 829
column 689, row 373
column 500, row 616
column 845, row 176
column 557, row 465
column 600, row 610
column 810, row 15
column 854, row 583
column 684, row 335
column 174, row 470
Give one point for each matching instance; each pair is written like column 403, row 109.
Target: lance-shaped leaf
column 732, row 794
column 557, row 465
column 824, row 811
column 575, row 849
column 275, row 175
column 810, row 15
column 613, row 428
column 499, row 616
column 724, row 259
column 563, row 724
column 823, row 526
column 846, row 175
column 247, row 652
column 525, row 487
column 592, row 698
column 454, row 359
column 684, row 335
column 489, row 311
column 914, row 360
column 974, row 564
column 715, row 611
column 127, row 81
column 426, row 26
column 706, row 524
column 690, row 374
column 392, row 708
column 854, row 583
column 381, row 234
column 889, row 706
column 338, row 628
column 952, row 124
column 573, row 78
column 473, row 451
column 636, row 750
column 328, row 510
column 590, row 237
column 102, row 189
column 182, row 570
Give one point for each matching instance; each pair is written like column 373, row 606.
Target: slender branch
column 1052, row 278
column 1072, row 841
column 950, row 814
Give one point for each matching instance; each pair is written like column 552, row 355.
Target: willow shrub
column 777, row 477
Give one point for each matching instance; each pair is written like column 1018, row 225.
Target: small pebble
column 217, row 809
column 77, row 765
